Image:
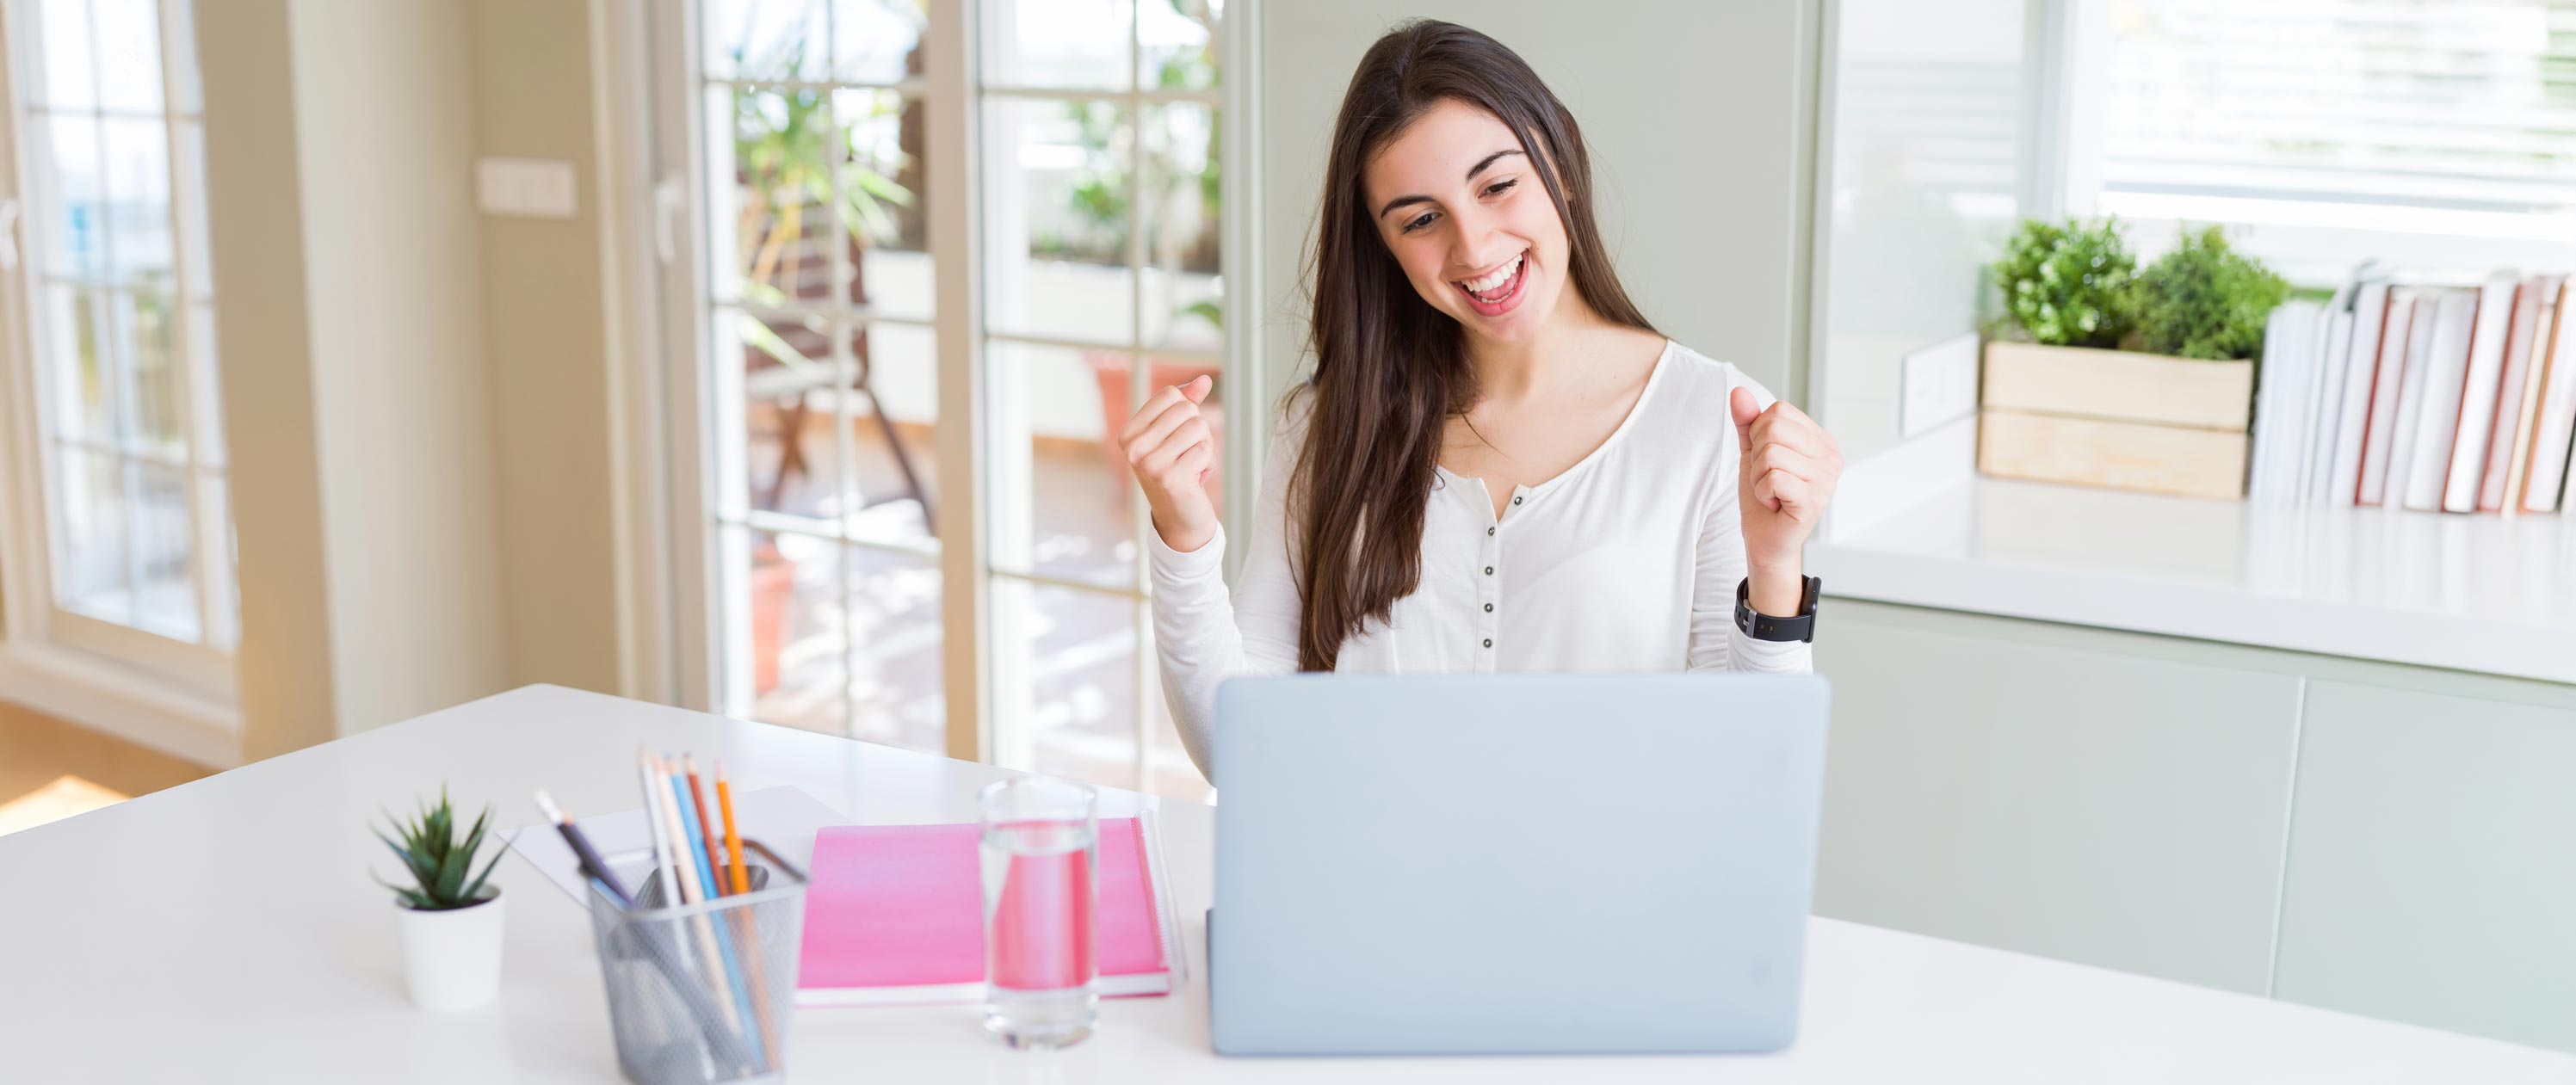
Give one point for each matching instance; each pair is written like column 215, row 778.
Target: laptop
column 1491, row 864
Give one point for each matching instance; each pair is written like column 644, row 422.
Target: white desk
column 227, row 931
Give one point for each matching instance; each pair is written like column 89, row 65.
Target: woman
column 1511, row 468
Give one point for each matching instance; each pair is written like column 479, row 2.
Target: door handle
column 8, row 235
column 667, row 210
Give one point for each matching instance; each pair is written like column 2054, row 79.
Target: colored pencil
column 716, row 886
column 698, row 882
column 711, row 960
column 733, row 841
column 662, row 857
column 748, row 925
column 669, row 953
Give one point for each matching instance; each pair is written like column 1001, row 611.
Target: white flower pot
column 452, row 958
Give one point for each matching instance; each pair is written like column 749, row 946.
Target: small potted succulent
column 2102, row 374
column 450, row 915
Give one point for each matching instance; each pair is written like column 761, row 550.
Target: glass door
column 115, row 441
column 819, row 350
column 851, row 477
column 1101, row 204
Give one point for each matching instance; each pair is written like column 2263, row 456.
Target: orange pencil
column 706, row 826
column 733, row 840
column 749, row 931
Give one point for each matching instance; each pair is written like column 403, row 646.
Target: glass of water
column 1041, row 845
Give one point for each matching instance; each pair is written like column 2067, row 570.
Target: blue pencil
column 697, row 851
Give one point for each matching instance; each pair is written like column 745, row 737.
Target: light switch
column 526, row 187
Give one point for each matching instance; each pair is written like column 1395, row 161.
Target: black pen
column 588, row 856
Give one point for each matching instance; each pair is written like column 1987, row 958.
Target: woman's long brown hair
column 1390, row 369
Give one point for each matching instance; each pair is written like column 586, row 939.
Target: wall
column 385, row 132
column 1698, row 117
column 350, row 335
column 547, row 343
column 287, row 685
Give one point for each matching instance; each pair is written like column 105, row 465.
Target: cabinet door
column 2432, row 867
column 2030, row 787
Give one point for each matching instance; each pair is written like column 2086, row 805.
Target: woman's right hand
column 1172, row 451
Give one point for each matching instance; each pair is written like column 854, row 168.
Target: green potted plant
column 2103, row 374
column 450, row 914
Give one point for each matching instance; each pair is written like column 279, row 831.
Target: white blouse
column 1628, row 561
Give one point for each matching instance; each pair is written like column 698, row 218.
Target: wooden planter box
column 2116, row 418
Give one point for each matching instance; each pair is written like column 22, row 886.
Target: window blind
column 2428, row 104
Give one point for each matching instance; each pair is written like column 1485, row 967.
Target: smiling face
column 1462, row 209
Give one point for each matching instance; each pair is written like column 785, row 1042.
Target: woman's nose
column 1474, row 245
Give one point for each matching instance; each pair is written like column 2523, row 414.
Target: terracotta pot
column 773, row 586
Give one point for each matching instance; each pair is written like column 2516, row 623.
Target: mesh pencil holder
column 700, row 994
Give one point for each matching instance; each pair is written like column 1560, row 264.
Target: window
column 116, row 391
column 821, row 352
column 2437, row 134
column 831, row 303
column 1100, row 219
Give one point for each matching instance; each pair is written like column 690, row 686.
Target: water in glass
column 1039, row 852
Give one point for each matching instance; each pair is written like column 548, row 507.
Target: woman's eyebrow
column 1482, row 165
column 1489, row 160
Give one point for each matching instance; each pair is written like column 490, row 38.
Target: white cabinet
column 2432, row 867
column 2130, row 801
column 2004, row 784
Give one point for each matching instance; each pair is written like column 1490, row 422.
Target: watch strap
column 1760, row 626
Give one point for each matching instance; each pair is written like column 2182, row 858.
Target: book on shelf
column 2287, row 356
column 2545, row 488
column 2509, row 446
column 2323, row 383
column 2437, row 417
column 2410, row 397
column 2421, row 392
column 2342, row 477
column 2389, row 373
column 2478, row 390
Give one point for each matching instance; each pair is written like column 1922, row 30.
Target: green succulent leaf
column 435, row 859
column 474, row 889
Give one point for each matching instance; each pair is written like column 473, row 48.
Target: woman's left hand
column 1787, row 468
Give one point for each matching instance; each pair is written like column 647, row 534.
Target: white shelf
column 2488, row 594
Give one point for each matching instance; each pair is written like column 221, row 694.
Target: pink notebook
column 895, row 915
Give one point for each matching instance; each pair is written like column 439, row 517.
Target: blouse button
column 1489, row 608
column 1516, row 500
column 1489, row 570
column 1489, row 531
column 1489, row 642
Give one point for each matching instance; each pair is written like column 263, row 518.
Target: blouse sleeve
column 1715, row 643
column 1201, row 636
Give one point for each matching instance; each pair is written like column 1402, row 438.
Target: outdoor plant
column 2205, row 300
column 2066, row 284
column 437, row 861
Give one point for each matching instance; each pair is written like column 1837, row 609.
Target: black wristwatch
column 1761, row 626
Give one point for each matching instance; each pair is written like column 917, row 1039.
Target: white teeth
column 1499, row 276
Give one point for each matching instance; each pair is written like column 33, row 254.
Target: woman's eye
column 1501, row 187
column 1418, row 223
